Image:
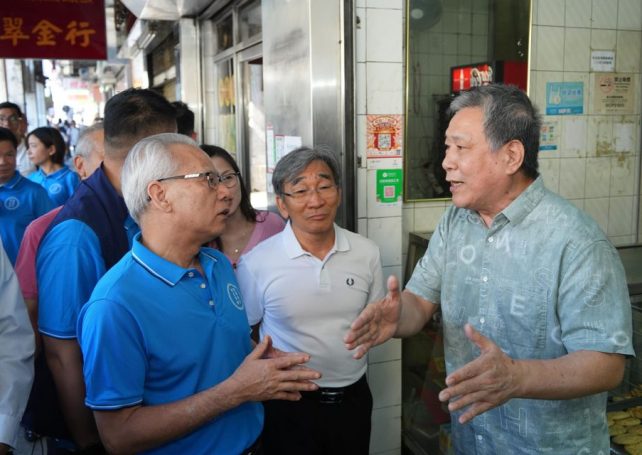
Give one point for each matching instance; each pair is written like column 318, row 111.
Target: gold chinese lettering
column 79, row 30
column 45, row 31
column 12, row 30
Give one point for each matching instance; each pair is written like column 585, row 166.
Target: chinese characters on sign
column 66, row 29
column 614, row 93
column 384, row 136
column 564, row 98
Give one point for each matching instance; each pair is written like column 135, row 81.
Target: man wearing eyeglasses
column 169, row 363
column 89, row 235
column 11, row 117
column 303, row 287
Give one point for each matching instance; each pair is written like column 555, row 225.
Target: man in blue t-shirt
column 21, row 201
column 89, row 235
column 168, row 362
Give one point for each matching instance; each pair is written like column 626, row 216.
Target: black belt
column 333, row 395
column 255, row 449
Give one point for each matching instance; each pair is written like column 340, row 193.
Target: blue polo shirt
column 59, row 185
column 21, row 202
column 91, row 233
column 154, row 333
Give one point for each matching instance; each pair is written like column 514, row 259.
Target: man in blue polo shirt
column 21, row 201
column 89, row 235
column 168, row 361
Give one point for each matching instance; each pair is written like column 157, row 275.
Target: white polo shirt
column 307, row 304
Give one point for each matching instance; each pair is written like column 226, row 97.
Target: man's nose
column 448, row 162
column 315, row 198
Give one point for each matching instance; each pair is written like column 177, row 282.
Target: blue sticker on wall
column 564, row 98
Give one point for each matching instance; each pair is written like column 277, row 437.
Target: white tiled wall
column 380, row 90
column 598, row 163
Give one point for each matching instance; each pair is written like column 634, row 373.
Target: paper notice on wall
column 389, row 184
column 269, row 145
column 614, row 93
column 384, row 136
column 549, row 135
column 284, row 145
column 602, row 61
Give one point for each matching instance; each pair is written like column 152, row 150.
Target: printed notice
column 389, row 186
column 385, row 136
column 564, row 98
column 603, row 61
column 614, row 93
column 549, row 135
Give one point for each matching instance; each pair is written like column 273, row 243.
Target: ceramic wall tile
column 426, row 219
column 550, row 48
column 388, row 4
column 385, row 383
column 578, row 13
column 572, row 177
column 390, row 350
column 629, row 15
column 384, row 88
column 386, row 430
column 384, row 35
column 551, row 12
column 620, row 216
column 628, row 51
column 577, row 55
column 623, row 173
column 574, row 134
column 549, row 169
column 602, row 39
column 604, row 14
column 360, row 34
column 361, row 85
column 598, row 177
column 386, row 232
column 598, row 209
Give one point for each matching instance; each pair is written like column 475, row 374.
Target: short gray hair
column 295, row 162
column 86, row 141
column 149, row 160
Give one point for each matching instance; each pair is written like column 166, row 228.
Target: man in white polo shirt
column 303, row 287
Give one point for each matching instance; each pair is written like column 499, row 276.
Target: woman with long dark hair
column 245, row 226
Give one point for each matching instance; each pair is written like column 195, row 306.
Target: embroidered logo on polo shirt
column 11, row 203
column 350, row 281
column 55, row 188
column 235, row 296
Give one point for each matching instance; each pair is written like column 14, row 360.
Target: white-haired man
column 168, row 361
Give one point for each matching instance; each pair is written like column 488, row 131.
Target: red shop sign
column 54, row 29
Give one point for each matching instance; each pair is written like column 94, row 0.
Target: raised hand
column 377, row 322
column 487, row 382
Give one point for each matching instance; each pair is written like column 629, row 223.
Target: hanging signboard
column 54, row 29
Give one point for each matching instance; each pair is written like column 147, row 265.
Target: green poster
column 389, row 185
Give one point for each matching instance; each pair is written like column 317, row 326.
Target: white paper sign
column 603, row 61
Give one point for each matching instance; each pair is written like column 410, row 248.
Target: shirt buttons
column 482, row 319
column 203, row 285
column 190, row 274
column 211, row 302
column 491, row 239
column 484, row 278
column 480, row 437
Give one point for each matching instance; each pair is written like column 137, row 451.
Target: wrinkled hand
column 270, row 374
column 487, row 382
column 377, row 322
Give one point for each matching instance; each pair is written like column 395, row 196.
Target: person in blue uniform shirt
column 21, row 201
column 47, row 151
column 89, row 235
column 168, row 360
column 533, row 296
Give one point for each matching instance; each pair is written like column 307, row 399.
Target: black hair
column 246, row 206
column 7, row 135
column 51, row 136
column 184, row 118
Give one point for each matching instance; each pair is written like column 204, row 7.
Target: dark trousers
column 316, row 425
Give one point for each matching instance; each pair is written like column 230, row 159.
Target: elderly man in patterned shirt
column 536, row 312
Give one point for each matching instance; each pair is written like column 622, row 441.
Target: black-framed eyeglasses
column 303, row 194
column 229, row 180
column 213, row 179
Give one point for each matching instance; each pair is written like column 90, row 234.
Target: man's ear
column 283, row 210
column 79, row 164
column 514, row 155
column 157, row 196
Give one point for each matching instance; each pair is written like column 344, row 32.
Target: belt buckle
column 329, row 396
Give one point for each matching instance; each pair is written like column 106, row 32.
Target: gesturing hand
column 377, row 322
column 270, row 374
column 487, row 382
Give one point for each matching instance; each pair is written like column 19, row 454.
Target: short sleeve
column 252, row 297
column 377, row 290
column 68, row 266
column 114, row 361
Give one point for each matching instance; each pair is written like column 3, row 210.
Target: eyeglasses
column 325, row 191
column 213, row 179
column 230, row 179
column 10, row 119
